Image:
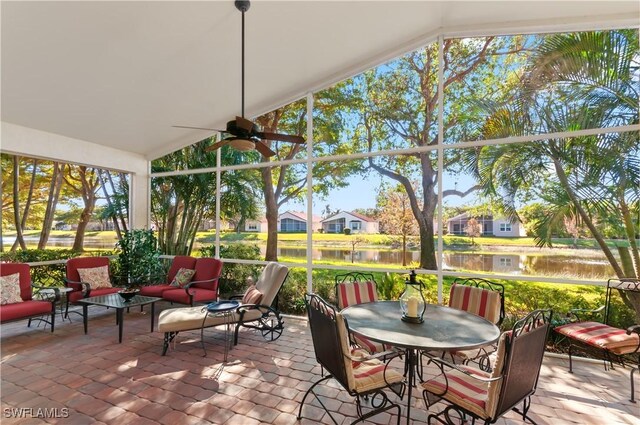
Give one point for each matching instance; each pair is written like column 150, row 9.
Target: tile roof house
column 357, row 222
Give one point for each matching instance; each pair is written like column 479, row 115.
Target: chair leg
column 29, row 323
column 570, row 360
column 309, row 392
column 633, row 389
column 53, row 319
column 168, row 337
column 235, row 334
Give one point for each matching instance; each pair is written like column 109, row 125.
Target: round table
column 224, row 309
column 443, row 329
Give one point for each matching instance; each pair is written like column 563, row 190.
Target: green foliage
column 234, row 276
column 50, row 274
column 346, row 231
column 138, row 257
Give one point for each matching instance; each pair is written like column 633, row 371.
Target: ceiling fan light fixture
column 242, row 144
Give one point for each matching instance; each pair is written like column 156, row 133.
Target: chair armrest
column 84, row 287
column 576, row 313
column 193, row 282
column 375, row 356
column 633, row 328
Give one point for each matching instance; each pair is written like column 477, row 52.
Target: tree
column 355, row 241
column 574, row 81
column 55, row 187
column 473, row 229
column 398, row 109
column 84, row 181
column 396, row 217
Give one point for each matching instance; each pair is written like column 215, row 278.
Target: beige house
column 490, row 225
column 354, row 221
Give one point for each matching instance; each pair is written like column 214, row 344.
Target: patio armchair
column 17, row 296
column 358, row 372
column 88, row 277
column 260, row 315
column 489, row 395
column 602, row 340
column 178, row 262
column 482, row 298
column 358, row 288
column 203, row 287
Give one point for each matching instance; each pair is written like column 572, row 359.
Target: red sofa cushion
column 77, row 295
column 25, row 309
column 155, row 290
column 180, row 295
column 207, row 269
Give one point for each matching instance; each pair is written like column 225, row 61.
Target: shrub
column 234, row 276
column 138, row 258
column 347, row 231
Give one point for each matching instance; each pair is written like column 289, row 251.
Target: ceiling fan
column 244, row 134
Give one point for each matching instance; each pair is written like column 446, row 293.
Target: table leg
column 411, row 361
column 202, row 333
column 153, row 315
column 120, row 320
column 85, row 314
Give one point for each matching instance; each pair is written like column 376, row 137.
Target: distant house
column 259, row 225
column 358, row 223
column 498, row 226
column 296, row 221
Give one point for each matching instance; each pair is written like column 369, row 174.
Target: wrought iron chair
column 358, row 288
column 602, row 340
column 482, row 298
column 358, row 372
column 489, row 395
column 83, row 289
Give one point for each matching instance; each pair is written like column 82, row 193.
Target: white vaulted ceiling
column 121, row 73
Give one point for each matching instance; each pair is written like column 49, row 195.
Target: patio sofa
column 27, row 308
column 203, row 286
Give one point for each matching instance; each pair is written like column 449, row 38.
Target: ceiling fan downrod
column 242, row 6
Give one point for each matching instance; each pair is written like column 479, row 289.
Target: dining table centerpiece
column 412, row 302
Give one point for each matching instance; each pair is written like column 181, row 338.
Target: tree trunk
column 271, row 207
column 88, row 185
column 404, row 249
column 107, row 197
column 16, row 204
column 27, row 206
column 123, row 222
column 54, row 194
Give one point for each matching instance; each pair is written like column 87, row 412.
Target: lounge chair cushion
column 190, row 318
column 601, row 336
column 10, row 289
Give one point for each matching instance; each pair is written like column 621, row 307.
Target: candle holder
column 412, row 302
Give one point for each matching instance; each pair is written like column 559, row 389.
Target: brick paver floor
column 93, row 379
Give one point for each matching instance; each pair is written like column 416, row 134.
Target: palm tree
column 573, row 82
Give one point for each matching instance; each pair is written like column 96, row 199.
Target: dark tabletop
column 444, row 328
column 116, row 301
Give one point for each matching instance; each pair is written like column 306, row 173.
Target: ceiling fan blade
column 198, row 128
column 217, row 145
column 264, row 149
column 244, row 123
column 282, row 137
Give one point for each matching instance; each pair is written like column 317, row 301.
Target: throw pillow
column 183, row 277
column 252, row 296
column 10, row 289
column 97, row 277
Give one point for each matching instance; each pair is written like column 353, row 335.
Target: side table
column 225, row 310
column 50, row 293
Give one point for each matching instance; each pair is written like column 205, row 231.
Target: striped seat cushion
column 462, row 390
column 601, row 336
column 478, row 301
column 372, row 374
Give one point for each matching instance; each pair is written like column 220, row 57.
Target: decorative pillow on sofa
column 252, row 296
column 97, row 277
column 10, row 289
column 183, row 277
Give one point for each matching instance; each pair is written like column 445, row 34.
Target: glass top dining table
column 443, row 329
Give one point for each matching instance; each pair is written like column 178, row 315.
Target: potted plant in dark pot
column 138, row 260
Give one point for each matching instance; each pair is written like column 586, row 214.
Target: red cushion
column 7, row 269
column 180, row 296
column 180, row 262
column 15, row 311
column 73, row 264
column 155, row 290
column 601, row 336
column 77, row 295
column 207, row 270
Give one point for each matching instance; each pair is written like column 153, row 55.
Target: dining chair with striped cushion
column 358, row 288
column 482, row 298
column 489, row 395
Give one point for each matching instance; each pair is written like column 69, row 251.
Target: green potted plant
column 138, row 258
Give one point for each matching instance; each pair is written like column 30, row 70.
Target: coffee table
column 117, row 302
